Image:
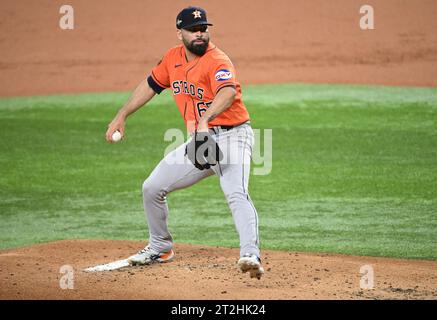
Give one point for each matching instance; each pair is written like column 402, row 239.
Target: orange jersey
column 196, row 83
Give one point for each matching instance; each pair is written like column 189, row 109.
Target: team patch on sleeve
column 223, row 75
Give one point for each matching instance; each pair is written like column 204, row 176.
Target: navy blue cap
column 190, row 17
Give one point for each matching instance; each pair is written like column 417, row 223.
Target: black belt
column 226, row 127
column 231, row 127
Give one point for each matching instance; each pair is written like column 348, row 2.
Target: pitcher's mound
column 200, row 272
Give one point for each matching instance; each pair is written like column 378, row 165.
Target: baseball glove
column 203, row 151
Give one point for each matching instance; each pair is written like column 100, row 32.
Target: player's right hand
column 116, row 124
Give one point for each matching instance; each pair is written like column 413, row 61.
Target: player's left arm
column 222, row 101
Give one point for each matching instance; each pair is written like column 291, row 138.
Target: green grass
column 354, row 171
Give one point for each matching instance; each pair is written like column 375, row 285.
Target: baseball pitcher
column 208, row 95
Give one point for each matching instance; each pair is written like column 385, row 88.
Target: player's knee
column 151, row 190
column 237, row 195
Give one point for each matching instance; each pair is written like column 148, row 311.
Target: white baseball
column 116, row 136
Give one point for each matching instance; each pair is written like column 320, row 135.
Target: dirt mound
column 200, row 272
column 114, row 45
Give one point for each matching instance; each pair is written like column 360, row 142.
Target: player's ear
column 179, row 34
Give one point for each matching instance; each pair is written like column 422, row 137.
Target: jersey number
column 202, row 107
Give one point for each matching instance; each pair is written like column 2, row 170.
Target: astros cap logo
column 197, row 14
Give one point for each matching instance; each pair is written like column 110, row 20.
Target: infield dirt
column 113, row 46
column 200, row 272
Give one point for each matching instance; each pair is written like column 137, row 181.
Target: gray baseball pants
column 175, row 172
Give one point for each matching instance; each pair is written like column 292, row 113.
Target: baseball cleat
column 251, row 263
column 148, row 256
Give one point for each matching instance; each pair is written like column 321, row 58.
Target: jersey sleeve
column 159, row 78
column 222, row 75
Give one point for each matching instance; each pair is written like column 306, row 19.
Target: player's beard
column 197, row 49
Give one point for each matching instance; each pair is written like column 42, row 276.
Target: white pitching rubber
column 109, row 266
